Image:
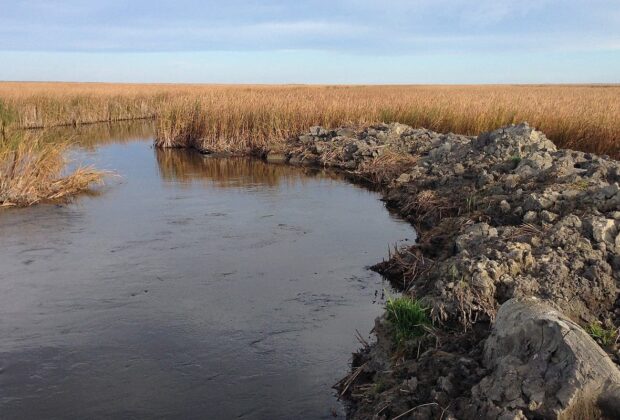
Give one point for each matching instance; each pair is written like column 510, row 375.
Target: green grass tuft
column 607, row 336
column 409, row 317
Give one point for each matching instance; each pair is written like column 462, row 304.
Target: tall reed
column 242, row 117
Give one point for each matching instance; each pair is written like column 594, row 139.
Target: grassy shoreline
column 241, row 117
column 250, row 119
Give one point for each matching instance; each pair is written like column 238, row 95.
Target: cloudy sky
column 311, row 41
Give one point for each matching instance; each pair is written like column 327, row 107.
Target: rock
column 349, row 151
column 403, row 178
column 485, row 178
column 511, row 181
column 470, row 197
column 345, row 132
column 602, row 230
column 538, row 201
column 548, row 217
column 543, row 363
column 397, row 129
column 318, row 131
column 530, row 217
column 513, row 141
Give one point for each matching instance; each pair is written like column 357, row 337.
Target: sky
column 313, row 41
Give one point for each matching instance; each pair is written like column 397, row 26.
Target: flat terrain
column 582, row 117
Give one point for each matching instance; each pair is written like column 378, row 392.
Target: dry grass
column 428, row 207
column 238, row 118
column 386, row 167
column 32, row 171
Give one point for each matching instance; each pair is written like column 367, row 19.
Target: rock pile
column 501, row 216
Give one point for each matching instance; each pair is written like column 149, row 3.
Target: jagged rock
column 318, row 131
column 543, row 364
column 530, row 217
column 345, row 132
column 548, row 216
column 602, row 230
column 502, row 215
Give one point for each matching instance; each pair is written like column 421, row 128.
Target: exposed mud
column 501, row 216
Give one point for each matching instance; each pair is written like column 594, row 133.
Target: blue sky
column 317, row 41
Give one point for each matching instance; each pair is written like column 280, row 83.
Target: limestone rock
column 545, row 365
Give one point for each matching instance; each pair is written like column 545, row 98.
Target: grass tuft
column 409, row 318
column 32, row 171
column 387, row 166
column 606, row 336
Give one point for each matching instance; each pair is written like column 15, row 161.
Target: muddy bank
column 505, row 215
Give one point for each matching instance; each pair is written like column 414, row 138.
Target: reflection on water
column 90, row 136
column 190, row 288
column 186, row 166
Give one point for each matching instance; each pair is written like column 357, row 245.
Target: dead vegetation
column 386, row 167
column 241, row 117
column 32, row 171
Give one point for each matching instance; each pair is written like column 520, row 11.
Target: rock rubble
column 504, row 217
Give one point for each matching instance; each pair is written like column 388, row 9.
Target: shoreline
column 505, row 220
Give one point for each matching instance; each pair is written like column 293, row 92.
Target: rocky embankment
column 518, row 262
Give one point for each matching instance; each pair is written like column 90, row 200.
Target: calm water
column 189, row 287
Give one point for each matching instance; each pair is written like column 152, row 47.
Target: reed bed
column 32, row 171
column 255, row 117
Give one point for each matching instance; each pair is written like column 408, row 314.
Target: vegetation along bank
column 509, row 306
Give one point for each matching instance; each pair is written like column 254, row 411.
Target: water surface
column 188, row 287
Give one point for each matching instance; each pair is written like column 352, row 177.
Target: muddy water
column 189, row 287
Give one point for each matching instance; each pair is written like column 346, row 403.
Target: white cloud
column 361, row 26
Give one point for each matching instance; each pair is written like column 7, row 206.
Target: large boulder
column 543, row 365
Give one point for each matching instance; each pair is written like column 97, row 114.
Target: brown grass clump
column 242, row 117
column 387, row 166
column 429, row 207
column 32, row 172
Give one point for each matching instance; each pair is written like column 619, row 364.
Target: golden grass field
column 583, row 117
column 242, row 118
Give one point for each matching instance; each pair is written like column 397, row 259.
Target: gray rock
column 602, row 230
column 548, row 216
column 530, row 217
column 543, row 363
column 318, row 131
column 308, row 139
column 345, row 132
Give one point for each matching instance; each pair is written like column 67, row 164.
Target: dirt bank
column 502, row 217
